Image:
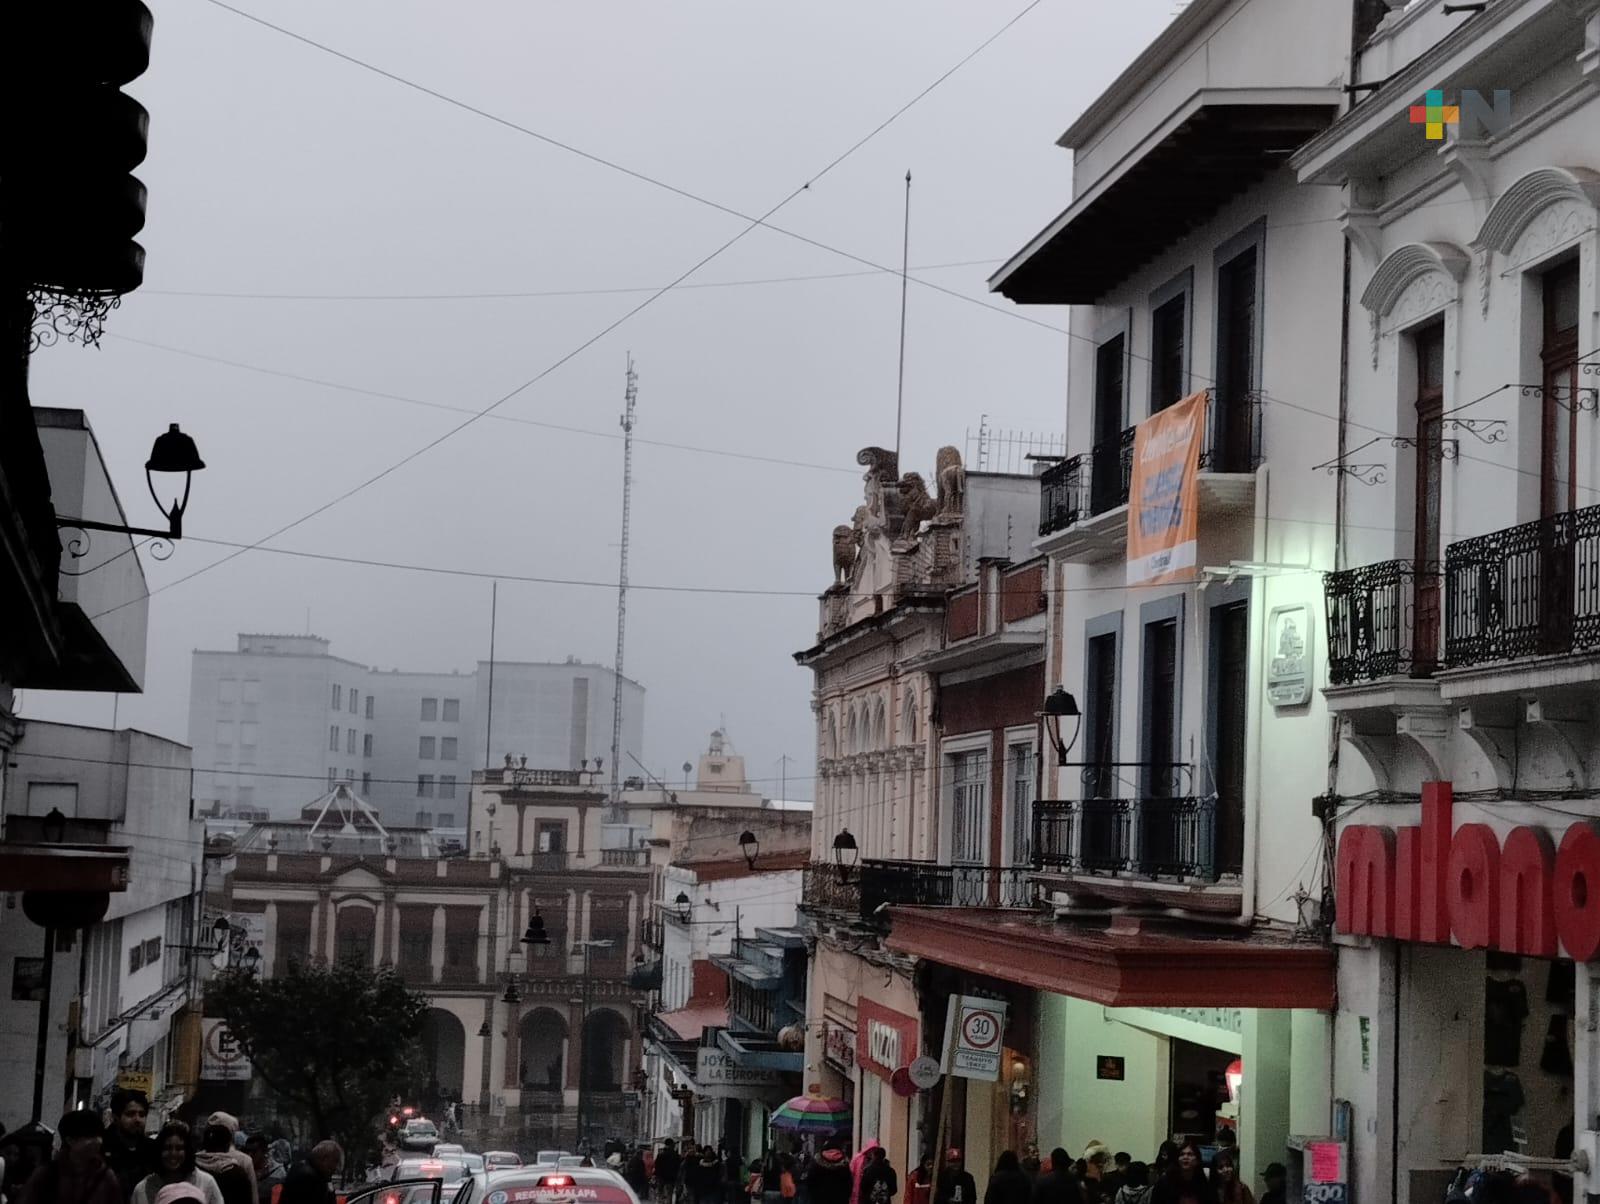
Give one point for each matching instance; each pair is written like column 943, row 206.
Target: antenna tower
column 630, row 400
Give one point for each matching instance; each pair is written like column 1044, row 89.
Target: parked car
column 549, row 1157
column 419, row 1133
column 499, row 1160
column 449, row 1171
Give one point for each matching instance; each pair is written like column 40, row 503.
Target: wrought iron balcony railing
column 1111, row 472
column 1383, row 621
column 1060, row 495
column 934, row 884
column 1530, row 590
column 823, row 888
column 1233, row 433
column 1148, row 837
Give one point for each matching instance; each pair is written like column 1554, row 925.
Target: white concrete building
column 1463, row 620
column 280, row 718
column 115, row 788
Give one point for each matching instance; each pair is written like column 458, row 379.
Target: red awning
column 690, row 1022
column 1121, row 968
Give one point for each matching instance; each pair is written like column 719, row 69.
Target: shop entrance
column 1201, row 1104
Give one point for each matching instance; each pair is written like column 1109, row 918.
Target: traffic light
column 69, row 141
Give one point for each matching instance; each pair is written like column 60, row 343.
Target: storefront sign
column 1111, row 1067
column 221, row 1059
column 1525, row 895
column 719, row 1076
column 839, row 1048
column 1289, row 655
column 137, row 1080
column 885, row 1039
column 974, row 1037
column 1163, row 497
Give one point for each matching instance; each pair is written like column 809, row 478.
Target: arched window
column 908, row 719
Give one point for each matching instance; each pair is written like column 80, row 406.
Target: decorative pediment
column 1408, row 264
column 1521, row 203
column 358, row 880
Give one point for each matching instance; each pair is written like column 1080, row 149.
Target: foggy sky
column 275, row 168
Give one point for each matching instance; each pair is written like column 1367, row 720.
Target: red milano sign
column 1526, row 895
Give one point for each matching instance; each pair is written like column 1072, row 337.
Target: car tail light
column 556, row 1181
column 392, row 1198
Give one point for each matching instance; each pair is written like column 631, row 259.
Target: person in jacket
column 176, row 1164
column 919, row 1183
column 78, row 1174
column 857, row 1165
column 955, row 1184
column 1275, row 1177
column 1057, row 1185
column 668, row 1163
column 1225, row 1178
column 1185, row 1181
column 269, row 1171
column 311, row 1181
column 1135, row 1187
column 704, row 1176
column 1095, row 1162
column 230, row 1166
column 1009, row 1184
column 879, row 1183
column 128, row 1150
column 637, row 1174
column 830, row 1181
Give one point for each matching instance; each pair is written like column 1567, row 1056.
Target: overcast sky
column 276, row 168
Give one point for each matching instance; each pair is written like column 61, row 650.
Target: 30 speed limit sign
column 976, row 1037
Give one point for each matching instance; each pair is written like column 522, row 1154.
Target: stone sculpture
column 951, row 480
column 916, row 505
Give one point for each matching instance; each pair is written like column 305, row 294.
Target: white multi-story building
column 129, row 974
column 281, row 718
column 1464, row 618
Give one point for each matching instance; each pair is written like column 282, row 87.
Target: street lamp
column 53, row 827
column 535, row 934
column 588, row 948
column 845, row 853
column 172, row 454
column 684, row 906
column 1061, row 705
column 750, row 846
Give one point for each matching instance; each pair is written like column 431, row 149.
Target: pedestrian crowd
column 1180, row 1173
column 120, row 1163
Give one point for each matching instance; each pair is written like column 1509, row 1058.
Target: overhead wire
column 752, row 223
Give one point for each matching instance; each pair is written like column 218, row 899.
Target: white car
column 544, row 1185
column 419, row 1133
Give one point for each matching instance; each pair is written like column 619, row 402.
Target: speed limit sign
column 978, row 1034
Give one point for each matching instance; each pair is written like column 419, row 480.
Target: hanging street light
column 749, row 846
column 173, row 454
column 845, row 853
column 535, row 934
column 1061, row 705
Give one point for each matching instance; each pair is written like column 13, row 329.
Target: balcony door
column 1233, row 423
column 1157, row 849
column 1106, row 470
column 1429, row 346
column 1558, row 477
column 1230, row 660
column 1559, row 461
column 968, row 774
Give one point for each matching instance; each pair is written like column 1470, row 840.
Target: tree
column 334, row 1043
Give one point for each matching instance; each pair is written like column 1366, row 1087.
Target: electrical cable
column 587, row 343
column 578, row 292
column 498, row 417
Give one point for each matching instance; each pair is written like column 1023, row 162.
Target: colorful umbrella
column 812, row 1114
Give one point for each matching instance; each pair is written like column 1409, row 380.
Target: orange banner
column 1163, row 496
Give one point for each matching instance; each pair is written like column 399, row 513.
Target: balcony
column 1083, row 500
column 1114, row 847
column 625, row 858
column 1524, row 592
column 933, row 884
column 823, row 889
column 1383, row 622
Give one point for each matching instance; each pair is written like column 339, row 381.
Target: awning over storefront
column 1214, row 147
column 63, row 867
column 691, row 1022
column 1121, row 967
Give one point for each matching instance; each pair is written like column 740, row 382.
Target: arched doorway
column 444, row 1052
column 605, row 1050
column 542, row 1045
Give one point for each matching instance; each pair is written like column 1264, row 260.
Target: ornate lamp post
column 174, row 454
